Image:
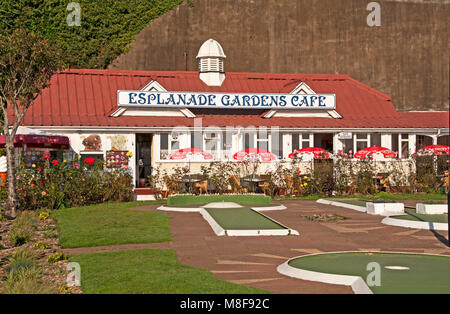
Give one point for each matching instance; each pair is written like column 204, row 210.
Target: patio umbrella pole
column 448, row 220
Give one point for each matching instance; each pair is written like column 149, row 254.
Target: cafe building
column 154, row 114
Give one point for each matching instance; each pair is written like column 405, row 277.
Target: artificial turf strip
column 110, row 223
column 149, row 271
column 427, row 274
column 241, row 199
column 242, row 218
column 412, row 215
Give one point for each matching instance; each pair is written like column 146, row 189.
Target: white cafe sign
column 225, row 100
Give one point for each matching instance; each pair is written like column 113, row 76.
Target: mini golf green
column 412, row 215
column 243, row 218
column 426, row 273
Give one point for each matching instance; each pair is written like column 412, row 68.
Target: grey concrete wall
column 406, row 57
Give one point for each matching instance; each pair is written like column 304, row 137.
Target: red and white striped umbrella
column 375, row 150
column 254, row 154
column 434, row 150
column 191, row 154
column 317, row 152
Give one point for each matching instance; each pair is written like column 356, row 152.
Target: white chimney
column 210, row 63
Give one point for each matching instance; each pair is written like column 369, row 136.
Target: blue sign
column 225, row 100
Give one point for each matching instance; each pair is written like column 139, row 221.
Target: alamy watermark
column 74, row 17
column 74, row 276
column 374, row 17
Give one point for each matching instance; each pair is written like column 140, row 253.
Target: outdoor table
column 254, row 182
column 188, row 182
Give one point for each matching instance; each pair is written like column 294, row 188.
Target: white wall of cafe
column 127, row 138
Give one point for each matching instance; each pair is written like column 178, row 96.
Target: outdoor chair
column 446, row 181
column 171, row 185
column 202, row 186
column 289, row 180
column 265, row 187
column 353, row 187
column 236, row 185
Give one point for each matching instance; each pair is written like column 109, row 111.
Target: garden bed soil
column 54, row 274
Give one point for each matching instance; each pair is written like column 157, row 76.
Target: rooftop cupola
column 210, row 63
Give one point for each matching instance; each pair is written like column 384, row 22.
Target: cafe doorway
column 143, row 158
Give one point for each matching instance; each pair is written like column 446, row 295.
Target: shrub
column 22, row 258
column 26, row 281
column 22, row 228
column 40, row 245
column 59, row 256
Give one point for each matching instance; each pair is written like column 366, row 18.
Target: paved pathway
column 253, row 260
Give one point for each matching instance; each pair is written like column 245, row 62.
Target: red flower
column 76, row 165
column 55, row 162
column 39, row 169
column 46, row 155
column 90, row 161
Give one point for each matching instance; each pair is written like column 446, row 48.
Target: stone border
column 415, row 224
column 277, row 207
column 357, row 284
column 218, row 230
column 180, row 209
column 431, row 209
column 339, row 204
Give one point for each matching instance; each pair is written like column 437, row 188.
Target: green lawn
column 110, row 223
column 148, row 271
column 412, row 215
column 199, row 199
column 427, row 274
column 241, row 219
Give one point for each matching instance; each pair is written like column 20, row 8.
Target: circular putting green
column 399, row 273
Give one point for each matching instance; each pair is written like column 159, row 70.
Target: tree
column 26, row 66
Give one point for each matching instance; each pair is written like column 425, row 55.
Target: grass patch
column 148, row 271
column 241, row 219
column 110, row 223
column 241, row 199
column 427, row 274
column 411, row 214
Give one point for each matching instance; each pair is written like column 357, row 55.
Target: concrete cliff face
column 407, row 57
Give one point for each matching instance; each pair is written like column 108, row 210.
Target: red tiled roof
column 87, row 98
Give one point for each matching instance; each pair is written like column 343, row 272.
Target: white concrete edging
column 180, row 209
column 339, row 204
column 218, row 230
column 385, row 209
column 431, row 209
column 415, row 224
column 357, row 284
column 277, row 207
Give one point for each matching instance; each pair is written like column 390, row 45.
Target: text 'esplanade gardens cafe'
column 168, row 118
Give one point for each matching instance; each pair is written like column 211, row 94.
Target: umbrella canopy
column 434, row 150
column 191, row 154
column 35, row 138
column 316, row 152
column 375, row 151
column 256, row 153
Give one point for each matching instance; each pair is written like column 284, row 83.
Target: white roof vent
column 210, row 63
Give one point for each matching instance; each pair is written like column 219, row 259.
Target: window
column 404, row 144
column 400, row 145
column 302, row 140
column 277, row 144
column 249, row 140
column 196, row 140
column 168, row 143
column 227, row 145
column 423, row 141
column 262, row 140
column 375, row 139
column 212, row 143
column 362, row 141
